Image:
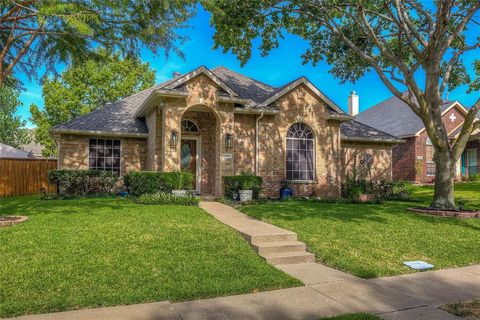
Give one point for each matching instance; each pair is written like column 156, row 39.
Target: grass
column 468, row 309
column 354, row 316
column 372, row 240
column 73, row 254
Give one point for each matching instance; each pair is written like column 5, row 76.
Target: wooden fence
column 19, row 177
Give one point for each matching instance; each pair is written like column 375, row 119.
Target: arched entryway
column 199, row 147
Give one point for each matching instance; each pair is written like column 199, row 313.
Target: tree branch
column 470, row 123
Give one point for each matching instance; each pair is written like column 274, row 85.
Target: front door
column 188, row 158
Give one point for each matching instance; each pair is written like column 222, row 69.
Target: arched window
column 300, row 153
column 429, row 151
column 189, row 126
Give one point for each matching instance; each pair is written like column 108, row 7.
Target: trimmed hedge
column 149, row 182
column 74, row 183
column 244, row 181
column 162, row 198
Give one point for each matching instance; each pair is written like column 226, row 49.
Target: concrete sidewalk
column 327, row 291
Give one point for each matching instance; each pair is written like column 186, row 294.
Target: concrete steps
column 278, row 246
column 280, row 249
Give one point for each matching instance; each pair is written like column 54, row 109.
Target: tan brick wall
column 203, row 97
column 352, row 153
column 300, row 105
column 151, row 121
column 73, row 152
column 244, row 143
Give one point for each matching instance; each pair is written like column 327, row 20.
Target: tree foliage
column 43, row 33
column 85, row 87
column 398, row 40
column 13, row 131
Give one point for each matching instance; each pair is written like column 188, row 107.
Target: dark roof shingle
column 356, row 130
column 394, row 116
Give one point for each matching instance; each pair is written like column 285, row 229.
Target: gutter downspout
column 256, row 143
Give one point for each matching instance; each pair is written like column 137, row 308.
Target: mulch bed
column 7, row 221
column 447, row 213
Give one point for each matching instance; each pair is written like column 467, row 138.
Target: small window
column 189, row 126
column 104, row 154
column 429, row 152
column 300, row 153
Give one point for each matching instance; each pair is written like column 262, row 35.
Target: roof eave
column 233, row 100
column 100, row 133
column 255, row 111
column 339, row 117
column 144, row 107
column 360, row 139
column 295, row 84
column 202, row 69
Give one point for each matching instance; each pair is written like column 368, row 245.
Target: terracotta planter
column 245, row 195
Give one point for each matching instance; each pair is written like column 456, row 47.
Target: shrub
column 160, row 198
column 474, row 177
column 244, row 181
column 380, row 189
column 74, row 183
column 148, row 182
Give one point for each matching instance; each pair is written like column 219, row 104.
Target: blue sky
column 280, row 66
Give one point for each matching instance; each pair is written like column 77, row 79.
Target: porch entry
column 190, row 159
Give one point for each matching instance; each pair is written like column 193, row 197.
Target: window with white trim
column 300, row 153
column 104, row 154
column 429, row 152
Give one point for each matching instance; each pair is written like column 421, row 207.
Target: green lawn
column 373, row 240
column 101, row 252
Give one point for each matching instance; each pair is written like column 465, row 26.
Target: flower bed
column 7, row 221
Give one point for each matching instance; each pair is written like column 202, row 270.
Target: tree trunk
column 443, row 197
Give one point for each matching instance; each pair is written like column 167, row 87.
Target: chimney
column 176, row 74
column 353, row 103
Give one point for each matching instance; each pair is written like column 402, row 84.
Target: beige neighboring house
column 218, row 122
column 34, row 148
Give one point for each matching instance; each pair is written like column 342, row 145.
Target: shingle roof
column 354, row 130
column 246, row 87
column 394, row 117
column 118, row 117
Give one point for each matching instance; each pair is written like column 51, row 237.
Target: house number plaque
column 227, row 156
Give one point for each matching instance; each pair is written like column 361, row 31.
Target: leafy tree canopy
column 13, row 131
column 43, row 33
column 397, row 39
column 85, row 87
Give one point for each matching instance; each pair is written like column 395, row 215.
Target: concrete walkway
column 327, row 291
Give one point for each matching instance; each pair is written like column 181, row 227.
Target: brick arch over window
column 300, row 159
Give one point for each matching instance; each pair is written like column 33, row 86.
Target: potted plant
column 246, row 184
column 286, row 190
column 181, row 184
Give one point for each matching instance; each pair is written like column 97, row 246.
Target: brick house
column 218, row 122
column 413, row 160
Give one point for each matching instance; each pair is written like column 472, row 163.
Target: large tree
column 44, row 33
column 85, row 87
column 414, row 47
column 13, row 131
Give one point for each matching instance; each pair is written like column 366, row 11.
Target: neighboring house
column 7, row 151
column 413, row 160
column 217, row 123
column 34, row 148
